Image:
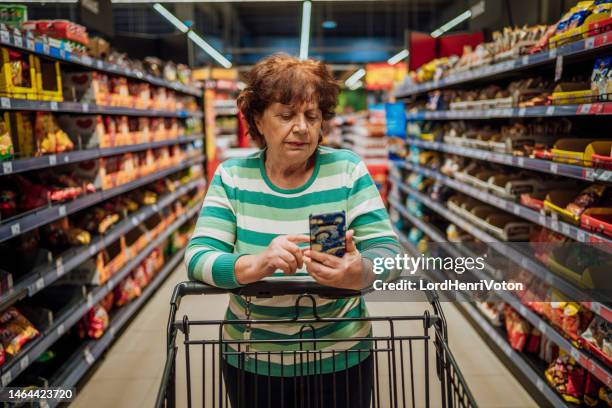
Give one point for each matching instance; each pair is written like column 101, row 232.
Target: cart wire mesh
column 393, row 362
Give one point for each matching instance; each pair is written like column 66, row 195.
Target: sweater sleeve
column 368, row 217
column 210, row 256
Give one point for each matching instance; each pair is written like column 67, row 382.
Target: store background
column 105, row 152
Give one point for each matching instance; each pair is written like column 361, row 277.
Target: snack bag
column 6, row 143
column 15, row 331
column 589, row 197
column 49, row 137
column 94, row 323
column 126, row 291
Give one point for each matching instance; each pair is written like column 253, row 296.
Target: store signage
column 382, row 75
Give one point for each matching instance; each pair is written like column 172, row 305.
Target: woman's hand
column 282, row 253
column 347, row 272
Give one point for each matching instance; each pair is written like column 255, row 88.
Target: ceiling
column 248, row 30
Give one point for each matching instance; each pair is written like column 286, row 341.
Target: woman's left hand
column 347, row 272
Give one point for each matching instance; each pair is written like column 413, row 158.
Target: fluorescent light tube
column 356, row 85
column 182, row 27
column 454, row 22
column 398, row 57
column 357, row 75
column 216, row 55
column 305, row 38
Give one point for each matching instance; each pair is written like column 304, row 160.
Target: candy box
column 17, row 74
column 601, row 79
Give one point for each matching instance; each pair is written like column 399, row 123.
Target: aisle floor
column 130, row 373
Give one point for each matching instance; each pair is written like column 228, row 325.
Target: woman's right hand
column 283, row 253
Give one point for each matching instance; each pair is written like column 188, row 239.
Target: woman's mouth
column 296, row 145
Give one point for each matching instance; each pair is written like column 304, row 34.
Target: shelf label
column 542, row 326
column 53, row 105
column 525, row 60
column 4, row 37
column 7, row 378
column 576, row 354
column 17, row 40
column 24, row 362
column 7, row 167
column 520, row 162
column 554, row 168
column 86, row 59
column 99, row 64
column 40, row 284
column 522, row 111
column 554, row 224
column 52, row 160
column 589, row 43
column 552, row 53
column 581, row 236
column 540, row 384
column 60, row 329
column 605, row 175
column 516, row 209
column 85, row 107
column 89, row 300
column 584, row 109
column 550, row 110
column 62, row 54
column 15, row 229
column 45, row 48
column 88, row 356
column 5, row 103
column 61, row 210
column 559, row 68
column 565, row 229
column 596, row 307
column 29, row 44
column 542, row 219
column 59, row 267
column 92, row 249
column 113, row 330
column 134, row 221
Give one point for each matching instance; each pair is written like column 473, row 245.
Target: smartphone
column 328, row 233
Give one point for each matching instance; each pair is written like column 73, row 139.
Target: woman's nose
column 300, row 124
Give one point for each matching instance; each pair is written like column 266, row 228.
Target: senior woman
column 254, row 223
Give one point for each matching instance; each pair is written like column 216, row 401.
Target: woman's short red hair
column 290, row 81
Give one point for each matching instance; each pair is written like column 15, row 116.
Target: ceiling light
column 466, row 15
column 356, row 85
column 305, row 38
column 329, row 24
column 398, row 57
column 216, row 55
column 182, row 27
column 357, row 75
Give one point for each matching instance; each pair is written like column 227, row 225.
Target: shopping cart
column 400, row 356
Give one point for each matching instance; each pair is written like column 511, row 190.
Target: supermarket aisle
column 130, row 373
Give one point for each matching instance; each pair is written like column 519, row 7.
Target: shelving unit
column 60, row 265
column 572, row 53
column 13, row 39
column 519, row 360
column 580, row 48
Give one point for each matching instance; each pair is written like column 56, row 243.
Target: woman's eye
column 285, row 116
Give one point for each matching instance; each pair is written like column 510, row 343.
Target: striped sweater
column 243, row 211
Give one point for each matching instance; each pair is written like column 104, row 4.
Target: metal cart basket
column 399, row 346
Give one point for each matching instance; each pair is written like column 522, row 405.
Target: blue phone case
column 328, row 233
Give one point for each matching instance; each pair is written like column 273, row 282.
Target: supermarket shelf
column 45, row 50
column 46, row 275
column 517, row 358
column 574, row 49
column 226, row 111
column 89, row 108
column 29, row 221
column 34, row 163
column 535, row 267
column 12, row 368
column 92, row 350
column 590, row 363
column 550, row 222
column 587, row 109
column 546, row 166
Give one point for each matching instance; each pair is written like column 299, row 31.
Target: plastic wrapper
column 15, row 331
column 94, row 323
column 127, row 290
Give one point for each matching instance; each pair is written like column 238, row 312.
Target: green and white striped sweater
column 243, row 211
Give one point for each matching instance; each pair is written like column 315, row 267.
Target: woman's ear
column 258, row 119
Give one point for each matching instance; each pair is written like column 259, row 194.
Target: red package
column 517, row 329
column 94, row 323
column 2, row 355
column 140, row 276
column 108, row 301
column 15, row 331
column 567, row 378
column 533, row 343
column 126, row 291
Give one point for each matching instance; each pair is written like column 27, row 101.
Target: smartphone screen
column 328, row 233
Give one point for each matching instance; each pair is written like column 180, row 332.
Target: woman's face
column 291, row 132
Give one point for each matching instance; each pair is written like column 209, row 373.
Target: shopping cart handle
column 266, row 288
column 293, row 285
